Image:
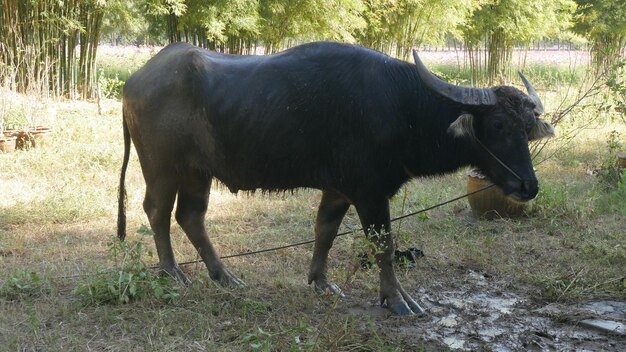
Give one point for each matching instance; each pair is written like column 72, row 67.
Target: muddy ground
column 481, row 315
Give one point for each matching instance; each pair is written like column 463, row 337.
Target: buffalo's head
column 499, row 122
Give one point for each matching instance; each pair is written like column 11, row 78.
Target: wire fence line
column 297, row 244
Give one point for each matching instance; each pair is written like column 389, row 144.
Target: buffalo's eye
column 498, row 125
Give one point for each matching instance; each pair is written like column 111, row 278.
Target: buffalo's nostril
column 529, row 189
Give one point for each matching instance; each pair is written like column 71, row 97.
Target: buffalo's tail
column 121, row 198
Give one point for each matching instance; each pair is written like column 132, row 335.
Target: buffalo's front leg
column 193, row 200
column 374, row 217
column 332, row 209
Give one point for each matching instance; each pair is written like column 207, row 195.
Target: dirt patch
column 481, row 314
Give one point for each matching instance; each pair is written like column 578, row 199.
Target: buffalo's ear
column 542, row 129
column 462, row 126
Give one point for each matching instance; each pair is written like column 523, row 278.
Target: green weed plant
column 259, row 340
column 617, row 86
column 110, row 86
column 132, row 279
column 22, row 284
column 610, row 173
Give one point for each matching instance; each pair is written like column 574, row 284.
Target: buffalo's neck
column 430, row 149
column 436, row 154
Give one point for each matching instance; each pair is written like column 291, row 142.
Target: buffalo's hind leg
column 374, row 215
column 158, row 204
column 193, row 200
column 332, row 209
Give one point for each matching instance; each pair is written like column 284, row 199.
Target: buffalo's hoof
column 227, row 279
column 400, row 302
column 328, row 288
column 177, row 274
column 401, row 308
column 405, row 308
column 233, row 281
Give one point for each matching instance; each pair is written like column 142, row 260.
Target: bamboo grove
column 50, row 46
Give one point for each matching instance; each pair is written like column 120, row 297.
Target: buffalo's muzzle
column 528, row 190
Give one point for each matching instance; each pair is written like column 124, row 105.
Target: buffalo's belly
column 269, row 174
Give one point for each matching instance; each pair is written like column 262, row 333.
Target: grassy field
column 63, row 273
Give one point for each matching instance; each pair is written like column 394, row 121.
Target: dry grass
column 57, row 215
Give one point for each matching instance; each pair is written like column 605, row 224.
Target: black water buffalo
column 349, row 121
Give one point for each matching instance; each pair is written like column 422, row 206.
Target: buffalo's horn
column 458, row 94
column 532, row 93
